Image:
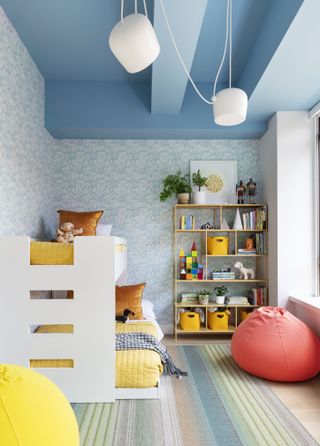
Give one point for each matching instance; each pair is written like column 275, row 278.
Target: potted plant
column 204, row 296
column 178, row 185
column 199, row 196
column 221, row 293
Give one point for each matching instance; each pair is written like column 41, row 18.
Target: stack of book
column 238, row 300
column 187, row 222
column 258, row 296
column 223, row 274
column 256, row 219
column 189, row 298
column 247, row 251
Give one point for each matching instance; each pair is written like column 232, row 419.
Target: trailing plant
column 198, row 179
column 221, row 290
column 204, row 292
column 174, row 185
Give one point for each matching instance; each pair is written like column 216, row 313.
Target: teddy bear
column 66, row 233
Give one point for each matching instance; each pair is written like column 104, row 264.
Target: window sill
column 307, row 309
column 313, row 302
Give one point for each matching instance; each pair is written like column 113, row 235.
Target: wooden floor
column 303, row 399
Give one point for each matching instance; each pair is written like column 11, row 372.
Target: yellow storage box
column 244, row 314
column 218, row 245
column 190, row 321
column 219, row 320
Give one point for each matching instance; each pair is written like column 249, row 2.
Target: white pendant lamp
column 135, row 45
column 230, row 105
column 133, row 41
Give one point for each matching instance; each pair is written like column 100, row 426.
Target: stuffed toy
column 125, row 316
column 66, row 233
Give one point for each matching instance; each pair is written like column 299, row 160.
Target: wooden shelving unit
column 218, row 213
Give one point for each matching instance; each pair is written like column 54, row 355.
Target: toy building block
column 194, row 271
column 194, row 251
column 181, row 253
column 183, row 274
column 189, row 276
column 194, row 276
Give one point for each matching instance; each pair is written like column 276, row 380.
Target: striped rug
column 216, row 405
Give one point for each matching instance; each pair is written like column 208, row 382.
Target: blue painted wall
column 25, row 159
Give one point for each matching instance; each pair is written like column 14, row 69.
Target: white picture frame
column 222, row 176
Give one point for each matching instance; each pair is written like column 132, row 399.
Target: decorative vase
column 183, row 198
column 199, row 197
column 225, row 224
column 237, row 221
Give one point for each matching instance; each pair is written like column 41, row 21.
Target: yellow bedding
column 134, row 368
column 48, row 253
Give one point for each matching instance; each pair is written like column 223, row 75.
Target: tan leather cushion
column 86, row 220
column 129, row 297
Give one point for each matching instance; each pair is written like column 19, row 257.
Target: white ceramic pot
column 199, row 197
column 220, row 300
column 204, row 299
column 183, row 198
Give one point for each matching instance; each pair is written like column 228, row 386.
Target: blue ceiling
column 89, row 95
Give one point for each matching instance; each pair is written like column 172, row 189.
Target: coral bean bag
column 275, row 345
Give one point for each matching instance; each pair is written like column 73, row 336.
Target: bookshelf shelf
column 220, row 230
column 190, row 217
column 222, row 280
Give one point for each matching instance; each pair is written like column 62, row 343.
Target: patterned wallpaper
column 39, row 175
column 123, row 177
column 24, row 143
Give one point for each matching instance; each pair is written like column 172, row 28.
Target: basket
column 244, row 314
column 218, row 245
column 190, row 321
column 218, row 320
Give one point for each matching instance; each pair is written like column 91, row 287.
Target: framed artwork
column 222, row 180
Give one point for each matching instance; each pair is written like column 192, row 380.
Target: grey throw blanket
column 144, row 341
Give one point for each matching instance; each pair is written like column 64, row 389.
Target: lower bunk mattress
column 134, row 368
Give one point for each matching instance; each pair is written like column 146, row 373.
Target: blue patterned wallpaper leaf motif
column 124, row 177
column 25, row 156
column 39, row 175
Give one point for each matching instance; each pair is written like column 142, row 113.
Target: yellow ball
column 34, row 411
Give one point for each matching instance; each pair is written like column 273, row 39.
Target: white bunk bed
column 99, row 264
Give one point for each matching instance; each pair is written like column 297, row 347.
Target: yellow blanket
column 134, row 368
column 48, row 253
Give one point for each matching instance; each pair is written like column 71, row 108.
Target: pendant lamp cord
column 228, row 24
column 135, row 8
column 121, row 10
column 230, row 44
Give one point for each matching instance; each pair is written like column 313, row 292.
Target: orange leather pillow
column 86, row 220
column 130, row 296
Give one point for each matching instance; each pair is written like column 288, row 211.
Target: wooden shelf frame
column 217, row 210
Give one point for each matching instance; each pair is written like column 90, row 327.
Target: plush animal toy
column 125, row 316
column 66, row 233
column 244, row 272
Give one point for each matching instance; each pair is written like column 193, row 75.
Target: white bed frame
column 99, row 264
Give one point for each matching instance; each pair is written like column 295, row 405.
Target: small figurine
column 251, row 190
column 244, row 273
column 240, row 191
